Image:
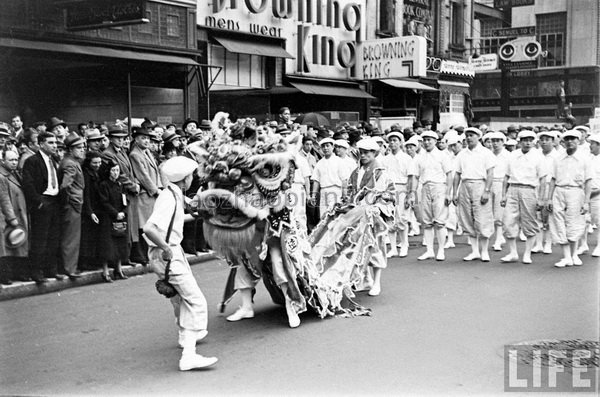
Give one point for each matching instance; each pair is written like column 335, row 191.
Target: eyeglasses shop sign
column 392, row 58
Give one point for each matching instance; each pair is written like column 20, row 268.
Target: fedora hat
column 141, row 131
column 169, row 136
column 188, row 121
column 54, row 122
column 205, row 125
column 74, row 140
column 4, row 130
column 93, row 135
column 117, row 131
column 15, row 236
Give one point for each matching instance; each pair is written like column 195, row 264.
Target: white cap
column 396, row 134
column 473, row 130
column 510, row 142
column 453, row 139
column 177, row 168
column 526, row 134
column 486, row 136
column 342, row 142
column 551, row 133
column 496, row 135
column 413, row 140
column 368, row 144
column 574, row 133
column 595, row 138
column 326, row 140
column 583, row 128
column 378, row 139
column 429, row 134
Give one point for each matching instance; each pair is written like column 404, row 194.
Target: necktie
column 53, row 183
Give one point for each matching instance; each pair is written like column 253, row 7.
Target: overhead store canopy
column 252, row 48
column 333, row 90
column 95, row 51
column 408, row 84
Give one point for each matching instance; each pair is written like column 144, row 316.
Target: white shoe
column 596, row 252
column 471, row 257
column 509, row 258
column 426, row 255
column 537, row 249
column 195, row 361
column 576, row 260
column 497, row 247
column 403, row 251
column 527, row 260
column 241, row 314
column 199, row 336
column 522, row 237
column 392, row 253
column 440, row 256
column 449, row 244
column 563, row 262
column 548, row 249
column 293, row 318
column 376, row 290
column 485, row 257
column 582, row 250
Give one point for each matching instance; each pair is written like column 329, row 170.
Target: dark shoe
column 59, row 276
column 5, row 281
column 106, row 278
column 24, row 279
column 120, row 276
column 75, row 275
column 40, row 280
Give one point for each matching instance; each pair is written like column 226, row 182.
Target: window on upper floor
column 489, row 44
column 551, row 30
column 457, row 23
column 173, row 25
column 387, row 16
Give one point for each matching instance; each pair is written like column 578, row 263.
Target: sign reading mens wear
column 397, row 57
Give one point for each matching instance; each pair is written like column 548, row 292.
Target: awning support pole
column 128, row 100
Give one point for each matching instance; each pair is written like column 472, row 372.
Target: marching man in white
column 327, row 178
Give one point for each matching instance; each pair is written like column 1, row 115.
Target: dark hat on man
column 426, row 122
column 116, row 131
column 205, row 125
column 60, row 145
column 74, row 140
column 417, row 124
column 169, row 136
column 188, row 121
column 141, row 131
column 376, row 132
column 15, row 236
column 55, row 122
column 460, row 129
column 147, row 123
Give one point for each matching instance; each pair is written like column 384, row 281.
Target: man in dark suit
column 40, row 184
column 71, row 202
column 116, row 152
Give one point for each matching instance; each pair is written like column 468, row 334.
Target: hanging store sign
column 512, row 3
column 484, row 62
column 457, row 68
column 514, row 32
column 393, row 58
column 89, row 14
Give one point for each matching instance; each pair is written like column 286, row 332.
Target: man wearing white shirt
column 497, row 140
column 300, row 189
column 327, row 178
column 595, row 188
column 433, row 170
column 454, row 143
column 341, row 147
column 398, row 164
column 475, row 174
column 520, row 199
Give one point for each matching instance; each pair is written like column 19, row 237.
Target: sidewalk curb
column 23, row 289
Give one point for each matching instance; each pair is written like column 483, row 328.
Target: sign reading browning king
column 90, row 14
column 391, row 58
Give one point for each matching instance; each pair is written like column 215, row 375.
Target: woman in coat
column 13, row 213
column 113, row 249
column 90, row 223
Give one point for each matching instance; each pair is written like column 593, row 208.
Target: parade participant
column 398, row 165
column 411, row 146
column 520, row 197
column 475, row 174
column 341, row 148
column 433, row 170
column 72, row 184
column 510, row 144
column 595, row 188
column 584, row 145
column 190, row 305
column 369, row 177
column 497, row 140
column 327, row 178
column 569, row 198
column 455, row 145
column 487, row 141
column 300, row 190
column 547, row 142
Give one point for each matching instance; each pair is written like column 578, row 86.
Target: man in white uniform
column 434, row 171
column 397, row 164
column 497, row 140
column 300, row 187
column 327, row 178
column 455, row 145
column 595, row 188
column 475, row 174
column 569, row 198
column 526, row 172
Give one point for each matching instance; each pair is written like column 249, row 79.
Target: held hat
column 54, row 122
column 325, row 141
column 526, row 134
column 572, row 133
column 474, row 130
column 74, row 140
column 16, row 236
column 177, row 168
column 368, row 144
column 429, row 134
column 188, row 121
column 396, row 134
column 342, row 143
column 116, row 131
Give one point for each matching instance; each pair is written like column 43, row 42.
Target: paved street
column 438, row 327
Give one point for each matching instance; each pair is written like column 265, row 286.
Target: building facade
column 568, row 33
column 56, row 62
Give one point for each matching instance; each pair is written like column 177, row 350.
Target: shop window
column 146, row 27
column 239, row 70
column 551, row 33
column 387, row 16
column 173, row 25
column 457, row 24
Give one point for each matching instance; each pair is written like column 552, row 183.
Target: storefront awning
column 253, row 48
column 95, row 51
column 332, row 90
column 408, row 84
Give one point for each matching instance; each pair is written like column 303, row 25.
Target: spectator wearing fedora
column 72, row 184
column 59, row 128
column 94, row 140
column 13, row 214
column 40, row 184
column 116, row 153
column 146, row 173
column 189, row 127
